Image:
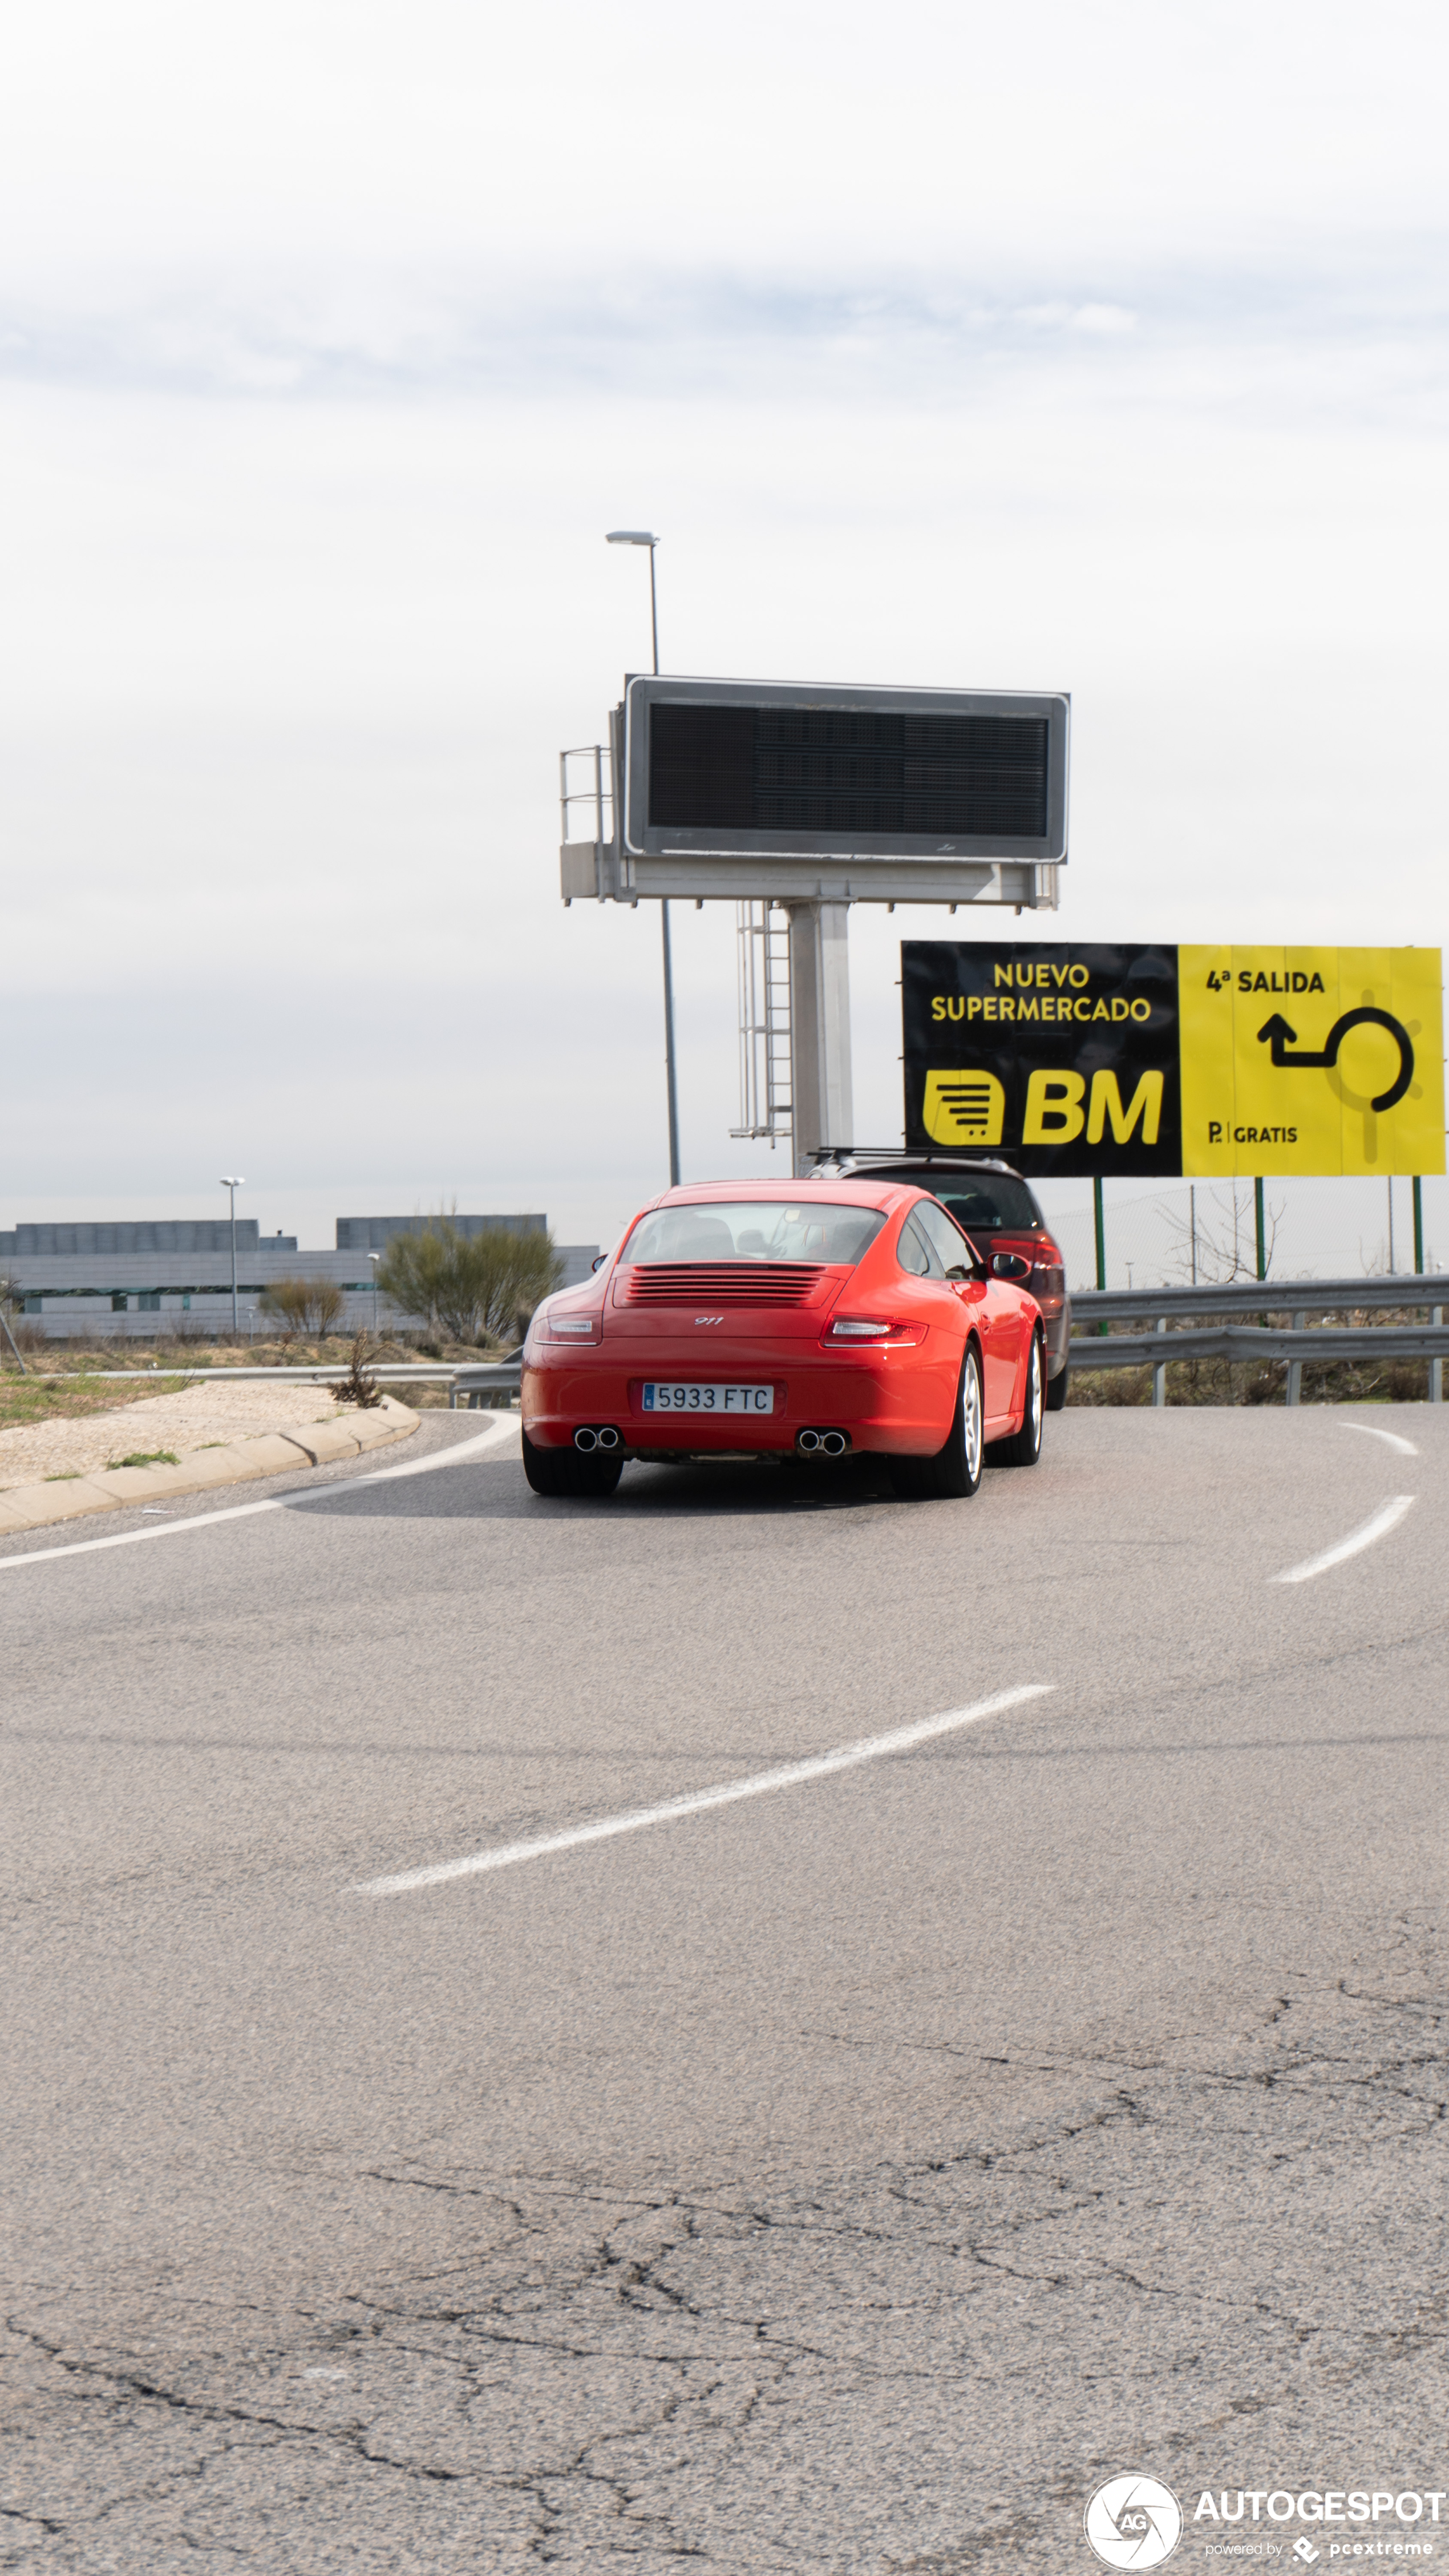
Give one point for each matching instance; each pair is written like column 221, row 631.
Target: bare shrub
column 324, row 1306
column 16, row 1335
column 471, row 1287
column 303, row 1305
column 359, row 1386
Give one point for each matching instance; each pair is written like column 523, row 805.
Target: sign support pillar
column 670, row 1084
column 822, row 1106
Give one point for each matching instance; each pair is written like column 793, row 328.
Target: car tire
column 564, row 1473
column 544, row 1467
column 593, row 1479
column 1056, row 1394
column 1024, row 1447
column 954, row 1473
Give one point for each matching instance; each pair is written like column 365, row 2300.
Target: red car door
column 995, row 1310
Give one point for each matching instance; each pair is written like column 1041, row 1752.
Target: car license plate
column 708, row 1399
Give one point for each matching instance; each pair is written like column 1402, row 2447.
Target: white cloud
column 1104, row 321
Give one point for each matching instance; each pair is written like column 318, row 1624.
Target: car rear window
column 982, row 1202
column 991, row 1203
column 753, row 1230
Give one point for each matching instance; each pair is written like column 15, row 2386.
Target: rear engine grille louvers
column 719, row 1283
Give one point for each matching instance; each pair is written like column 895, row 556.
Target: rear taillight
column 571, row 1328
column 1048, row 1278
column 868, row 1331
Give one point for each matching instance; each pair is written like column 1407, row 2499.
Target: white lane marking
column 1406, row 1448
column 1379, row 1527
column 489, row 1439
column 815, row 1767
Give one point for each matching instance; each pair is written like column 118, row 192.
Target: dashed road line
column 1383, row 1521
column 817, row 1766
column 1395, row 1439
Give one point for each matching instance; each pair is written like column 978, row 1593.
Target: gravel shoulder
column 193, row 1418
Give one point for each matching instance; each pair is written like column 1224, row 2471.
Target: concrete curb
column 312, row 1444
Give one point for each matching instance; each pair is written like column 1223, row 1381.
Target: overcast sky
column 1098, row 348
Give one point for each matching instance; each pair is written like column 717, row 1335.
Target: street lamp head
column 232, row 1181
column 630, row 537
column 374, row 1258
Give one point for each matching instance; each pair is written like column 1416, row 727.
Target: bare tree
column 1220, row 1243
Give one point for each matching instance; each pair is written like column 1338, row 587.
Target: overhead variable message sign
column 1199, row 1061
column 761, row 768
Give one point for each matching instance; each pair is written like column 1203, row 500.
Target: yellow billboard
column 1311, row 1060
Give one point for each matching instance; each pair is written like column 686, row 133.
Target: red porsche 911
column 818, row 1319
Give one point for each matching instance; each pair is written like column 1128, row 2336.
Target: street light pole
column 233, row 1185
column 643, row 537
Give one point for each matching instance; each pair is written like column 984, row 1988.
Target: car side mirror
column 598, row 1261
column 1009, row 1265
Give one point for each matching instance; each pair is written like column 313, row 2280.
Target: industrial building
column 175, row 1275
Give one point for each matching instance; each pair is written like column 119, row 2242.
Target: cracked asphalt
column 846, row 2179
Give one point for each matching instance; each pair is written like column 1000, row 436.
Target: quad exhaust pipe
column 810, row 1444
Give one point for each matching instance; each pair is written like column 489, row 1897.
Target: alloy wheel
column 971, row 1424
column 1034, row 1392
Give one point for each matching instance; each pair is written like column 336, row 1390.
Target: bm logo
column 963, row 1108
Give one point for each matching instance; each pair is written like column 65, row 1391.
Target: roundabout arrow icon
column 1278, row 1034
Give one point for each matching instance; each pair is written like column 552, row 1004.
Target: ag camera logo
column 1133, row 2522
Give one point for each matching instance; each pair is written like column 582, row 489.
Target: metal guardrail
column 1254, row 1342
column 1264, row 1344
column 1264, row 1297
column 493, row 1386
column 495, row 1383
column 323, row 1373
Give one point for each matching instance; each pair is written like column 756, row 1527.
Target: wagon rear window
column 982, row 1202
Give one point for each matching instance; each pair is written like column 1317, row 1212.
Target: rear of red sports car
column 766, row 1318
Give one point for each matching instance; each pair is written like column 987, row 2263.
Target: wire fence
column 1206, row 1230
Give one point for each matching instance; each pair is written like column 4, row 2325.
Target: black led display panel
column 941, row 780
column 833, row 771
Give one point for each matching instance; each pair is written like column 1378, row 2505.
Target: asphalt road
column 844, row 2178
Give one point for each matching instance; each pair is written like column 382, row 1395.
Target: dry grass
column 24, row 1400
column 75, row 1388
column 1239, row 1382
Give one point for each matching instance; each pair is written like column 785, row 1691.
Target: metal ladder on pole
column 763, row 962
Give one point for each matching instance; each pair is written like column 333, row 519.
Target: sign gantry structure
column 798, row 802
